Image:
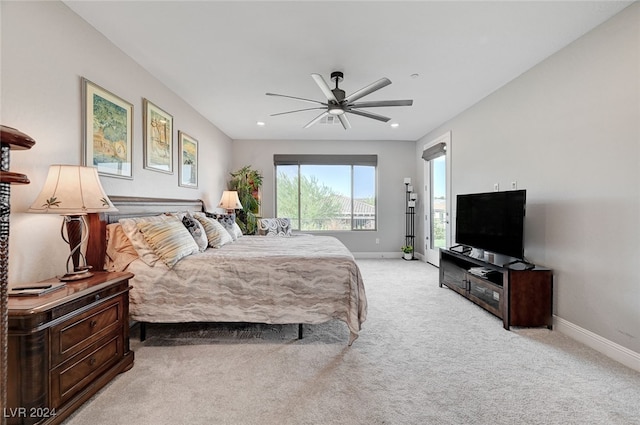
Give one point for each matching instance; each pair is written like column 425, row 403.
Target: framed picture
column 108, row 131
column 158, row 138
column 188, row 169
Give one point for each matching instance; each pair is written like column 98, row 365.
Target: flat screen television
column 492, row 221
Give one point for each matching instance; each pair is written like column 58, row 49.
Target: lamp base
column 77, row 275
column 76, row 270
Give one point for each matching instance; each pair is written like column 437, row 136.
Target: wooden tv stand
column 518, row 297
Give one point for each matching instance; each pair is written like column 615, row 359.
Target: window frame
column 329, row 160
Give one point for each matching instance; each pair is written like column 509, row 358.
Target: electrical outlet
column 496, row 187
column 377, row 240
column 514, row 185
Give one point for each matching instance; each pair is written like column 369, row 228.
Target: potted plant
column 408, row 252
column 247, row 182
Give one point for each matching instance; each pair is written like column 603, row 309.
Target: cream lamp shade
column 230, row 201
column 72, row 190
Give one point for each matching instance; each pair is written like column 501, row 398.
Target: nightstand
column 66, row 345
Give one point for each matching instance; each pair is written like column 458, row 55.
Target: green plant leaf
column 247, row 182
column 51, row 202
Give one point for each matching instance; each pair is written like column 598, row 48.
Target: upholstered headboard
column 129, row 207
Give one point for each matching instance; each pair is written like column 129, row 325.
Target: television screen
column 493, row 221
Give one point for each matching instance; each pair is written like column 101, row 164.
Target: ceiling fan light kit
column 338, row 104
column 335, row 110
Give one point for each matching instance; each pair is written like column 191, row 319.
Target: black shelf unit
column 410, row 214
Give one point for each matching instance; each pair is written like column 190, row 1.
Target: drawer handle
column 97, row 297
column 92, row 361
column 93, row 324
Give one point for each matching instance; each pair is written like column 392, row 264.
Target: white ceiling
column 223, row 56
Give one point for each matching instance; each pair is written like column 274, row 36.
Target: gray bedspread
column 299, row 279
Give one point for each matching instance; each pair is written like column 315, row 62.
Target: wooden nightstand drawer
column 66, row 345
column 72, row 376
column 84, row 329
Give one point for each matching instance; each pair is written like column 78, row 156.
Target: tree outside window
column 327, row 197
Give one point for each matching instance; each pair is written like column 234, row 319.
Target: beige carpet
column 425, row 356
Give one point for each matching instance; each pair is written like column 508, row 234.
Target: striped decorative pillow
column 170, row 240
column 130, row 228
column 228, row 221
column 217, row 235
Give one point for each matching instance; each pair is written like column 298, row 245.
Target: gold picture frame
column 158, row 138
column 107, row 131
column 188, row 165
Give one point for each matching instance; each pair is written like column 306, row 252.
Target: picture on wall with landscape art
column 108, row 128
column 188, row 160
column 158, row 139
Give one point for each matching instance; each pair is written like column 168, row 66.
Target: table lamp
column 230, row 201
column 73, row 192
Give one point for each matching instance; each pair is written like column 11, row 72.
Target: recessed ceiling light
column 260, row 123
column 395, row 125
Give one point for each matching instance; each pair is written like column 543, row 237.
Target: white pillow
column 197, row 231
column 237, row 230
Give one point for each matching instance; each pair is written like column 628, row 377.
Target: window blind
column 310, row 159
column 434, row 151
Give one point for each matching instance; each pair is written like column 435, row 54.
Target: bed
column 298, row 279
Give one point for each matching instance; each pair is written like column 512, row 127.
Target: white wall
column 568, row 131
column 393, row 157
column 46, row 49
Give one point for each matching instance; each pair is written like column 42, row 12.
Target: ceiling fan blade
column 369, row 115
column 297, row 110
column 383, row 82
column 297, row 98
column 324, row 87
column 316, row 119
column 344, row 121
column 379, row 103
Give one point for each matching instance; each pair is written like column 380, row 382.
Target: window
column 327, row 192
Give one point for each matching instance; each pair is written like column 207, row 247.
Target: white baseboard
column 610, row 349
column 392, row 254
column 377, row 254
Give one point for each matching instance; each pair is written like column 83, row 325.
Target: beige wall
column 393, row 157
column 46, row 49
column 568, row 131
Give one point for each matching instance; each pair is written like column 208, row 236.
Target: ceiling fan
column 338, row 104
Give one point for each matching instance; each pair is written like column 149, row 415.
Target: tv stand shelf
column 518, row 297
